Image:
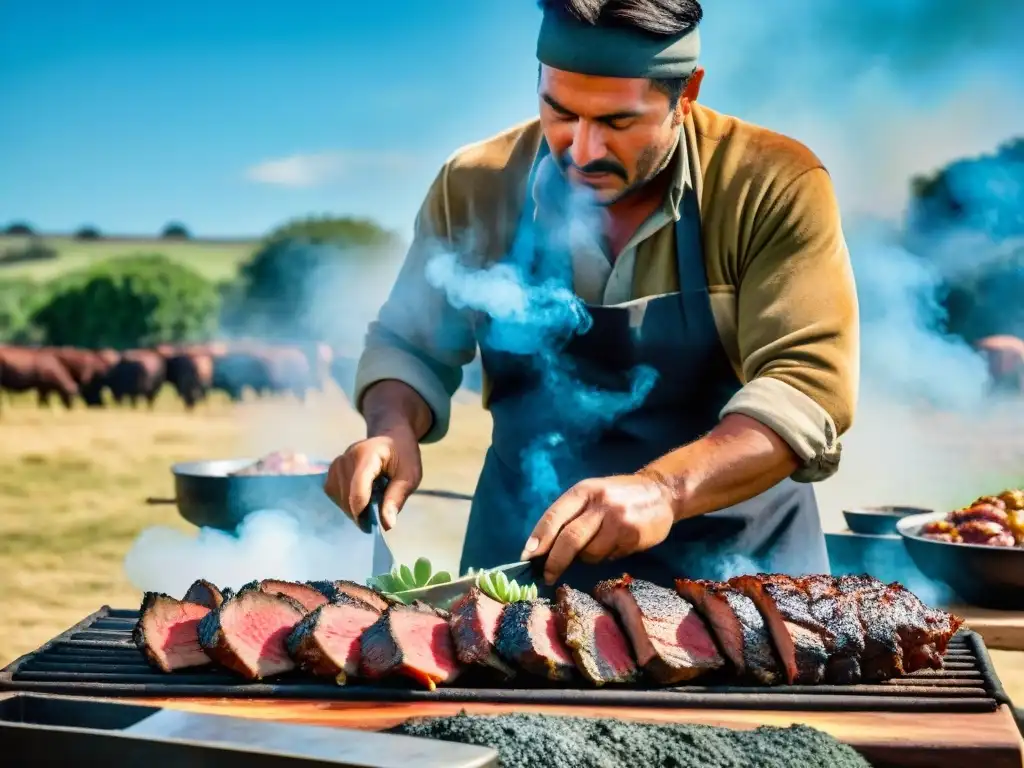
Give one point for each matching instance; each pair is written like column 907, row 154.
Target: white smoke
column 268, row 544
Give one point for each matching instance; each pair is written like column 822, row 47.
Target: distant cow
column 89, row 369
column 290, row 371
column 237, row 371
column 191, row 375
column 1005, row 358
column 138, row 374
column 27, row 369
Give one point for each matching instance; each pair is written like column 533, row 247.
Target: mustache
column 603, row 165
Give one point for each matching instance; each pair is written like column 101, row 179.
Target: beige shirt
column 779, row 276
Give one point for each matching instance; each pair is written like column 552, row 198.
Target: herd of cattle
column 193, row 371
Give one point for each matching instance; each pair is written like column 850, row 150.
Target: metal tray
column 44, row 730
column 97, row 658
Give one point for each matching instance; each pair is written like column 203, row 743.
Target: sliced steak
column 474, row 625
column 670, row 640
column 306, row 595
column 326, row 642
column 247, row 633
column 593, row 635
column 167, row 632
column 409, row 642
column 528, row 637
column 800, row 639
column 203, row 592
column 737, row 625
column 365, row 594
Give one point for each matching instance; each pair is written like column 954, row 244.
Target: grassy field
column 73, row 487
column 214, row 259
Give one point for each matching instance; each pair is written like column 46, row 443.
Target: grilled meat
column 592, row 633
column 738, row 627
column 799, row 637
column 367, row 595
column 669, row 638
column 167, row 632
column 410, row 642
column 474, row 622
column 203, row 592
column 528, row 637
column 306, row 595
column 247, row 633
column 327, row 641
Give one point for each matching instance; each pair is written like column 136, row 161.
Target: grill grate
column 96, row 657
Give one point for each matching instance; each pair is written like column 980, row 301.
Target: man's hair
column 659, row 18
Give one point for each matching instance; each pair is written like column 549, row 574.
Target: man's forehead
column 587, row 94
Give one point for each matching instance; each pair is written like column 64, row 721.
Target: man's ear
column 692, row 90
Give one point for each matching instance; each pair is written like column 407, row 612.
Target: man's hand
column 602, row 519
column 350, row 478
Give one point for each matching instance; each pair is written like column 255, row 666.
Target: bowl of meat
column 978, row 551
column 879, row 521
column 221, row 493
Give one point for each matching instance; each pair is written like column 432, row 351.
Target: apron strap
column 693, row 278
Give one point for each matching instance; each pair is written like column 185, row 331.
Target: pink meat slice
column 306, row 595
column 669, row 638
column 327, row 641
column 528, row 637
column 167, row 632
column 599, row 647
column 474, row 622
column 247, row 634
column 409, row 642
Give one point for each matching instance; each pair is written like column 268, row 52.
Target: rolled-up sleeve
column 419, row 338
column 798, row 325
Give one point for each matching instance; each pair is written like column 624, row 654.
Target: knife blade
column 383, row 559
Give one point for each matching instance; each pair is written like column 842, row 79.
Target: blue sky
column 234, row 116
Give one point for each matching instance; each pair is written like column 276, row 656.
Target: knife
column 438, row 595
column 369, row 522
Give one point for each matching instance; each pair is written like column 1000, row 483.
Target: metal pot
column 879, row 521
column 207, row 495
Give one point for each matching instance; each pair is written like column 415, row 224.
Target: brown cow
column 26, row 369
column 89, row 369
column 139, row 373
column 1005, row 357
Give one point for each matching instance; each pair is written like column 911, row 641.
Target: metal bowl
column 879, row 521
column 207, row 494
column 989, row 577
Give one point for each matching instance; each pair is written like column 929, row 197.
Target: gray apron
column 675, row 335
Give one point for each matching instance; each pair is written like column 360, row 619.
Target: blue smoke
column 528, row 308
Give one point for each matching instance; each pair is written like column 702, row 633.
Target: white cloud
column 318, row 169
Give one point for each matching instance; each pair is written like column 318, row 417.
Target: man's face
column 610, row 134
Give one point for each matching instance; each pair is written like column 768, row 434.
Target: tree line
column 147, row 299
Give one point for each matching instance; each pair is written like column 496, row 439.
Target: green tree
column 292, row 285
column 19, row 228
column 127, row 302
column 88, row 232
column 175, row 230
column 19, row 298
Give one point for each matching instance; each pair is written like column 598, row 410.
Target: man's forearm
column 736, row 461
column 391, row 405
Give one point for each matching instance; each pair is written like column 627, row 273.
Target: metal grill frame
column 97, row 658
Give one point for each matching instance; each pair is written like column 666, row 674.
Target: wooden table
column 1001, row 630
column 934, row 740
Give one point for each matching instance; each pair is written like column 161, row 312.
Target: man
column 721, row 266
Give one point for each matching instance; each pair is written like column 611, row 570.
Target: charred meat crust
column 391, row 647
column 308, row 650
column 203, row 592
column 469, row 614
column 517, row 644
column 367, row 595
column 582, row 624
column 738, row 627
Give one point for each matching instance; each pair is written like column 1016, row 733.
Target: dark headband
column 572, row 45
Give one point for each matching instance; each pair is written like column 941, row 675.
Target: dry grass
column 73, row 487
